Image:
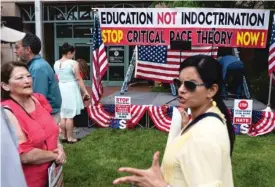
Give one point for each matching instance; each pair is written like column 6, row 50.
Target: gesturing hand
column 184, row 117
column 151, row 177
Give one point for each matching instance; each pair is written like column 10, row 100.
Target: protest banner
column 203, row 26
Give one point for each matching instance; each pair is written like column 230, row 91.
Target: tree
column 219, row 4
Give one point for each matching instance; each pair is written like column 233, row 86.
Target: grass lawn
column 93, row 161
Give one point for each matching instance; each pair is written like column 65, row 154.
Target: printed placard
column 122, row 107
column 242, row 111
column 55, row 176
column 202, row 26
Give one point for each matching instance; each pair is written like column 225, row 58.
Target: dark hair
column 210, row 72
column 67, row 48
column 224, row 51
column 83, row 67
column 32, row 41
column 6, row 70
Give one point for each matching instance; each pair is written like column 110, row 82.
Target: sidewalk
column 110, row 90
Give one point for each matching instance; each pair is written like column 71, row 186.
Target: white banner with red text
column 203, row 26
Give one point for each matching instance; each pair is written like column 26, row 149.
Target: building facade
column 70, row 21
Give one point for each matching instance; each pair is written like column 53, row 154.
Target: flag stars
column 156, row 54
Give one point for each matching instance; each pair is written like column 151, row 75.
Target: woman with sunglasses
column 199, row 153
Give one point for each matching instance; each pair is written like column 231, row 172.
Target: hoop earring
column 214, row 103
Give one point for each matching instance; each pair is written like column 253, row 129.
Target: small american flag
column 263, row 122
column 271, row 58
column 161, row 64
column 100, row 63
column 161, row 116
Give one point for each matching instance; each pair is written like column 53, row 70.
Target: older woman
column 36, row 130
column 199, row 153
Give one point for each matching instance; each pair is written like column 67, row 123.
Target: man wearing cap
column 11, row 170
column 44, row 79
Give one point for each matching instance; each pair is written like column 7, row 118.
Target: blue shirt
column 45, row 82
column 227, row 61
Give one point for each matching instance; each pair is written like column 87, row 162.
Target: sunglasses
column 189, row 85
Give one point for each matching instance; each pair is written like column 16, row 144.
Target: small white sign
column 242, row 111
column 122, row 107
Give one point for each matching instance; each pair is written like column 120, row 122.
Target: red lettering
column 174, row 17
column 239, row 120
column 166, row 17
column 243, row 105
column 122, row 99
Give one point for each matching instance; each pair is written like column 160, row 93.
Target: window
column 64, row 31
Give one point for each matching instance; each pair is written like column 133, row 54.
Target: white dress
column 72, row 103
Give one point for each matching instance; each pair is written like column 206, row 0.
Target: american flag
column 100, row 63
column 159, row 63
column 271, row 58
column 262, row 123
column 161, row 116
column 103, row 115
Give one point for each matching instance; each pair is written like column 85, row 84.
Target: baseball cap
column 11, row 35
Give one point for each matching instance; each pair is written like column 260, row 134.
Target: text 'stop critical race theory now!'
column 202, row 26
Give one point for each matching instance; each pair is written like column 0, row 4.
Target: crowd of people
column 36, row 100
column 34, row 96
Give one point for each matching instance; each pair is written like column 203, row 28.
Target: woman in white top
column 198, row 151
column 71, row 85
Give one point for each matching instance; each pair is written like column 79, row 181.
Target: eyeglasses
column 189, row 85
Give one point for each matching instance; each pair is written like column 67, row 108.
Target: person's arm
column 40, row 81
column 78, row 77
column 11, row 167
column 29, row 154
column 175, row 126
column 201, row 162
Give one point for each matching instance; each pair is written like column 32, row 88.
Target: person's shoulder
column 6, row 103
column 56, row 63
column 40, row 64
column 210, row 127
column 73, row 62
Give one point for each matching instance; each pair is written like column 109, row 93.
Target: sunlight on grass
column 94, row 161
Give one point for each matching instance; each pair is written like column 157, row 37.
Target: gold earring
column 214, row 103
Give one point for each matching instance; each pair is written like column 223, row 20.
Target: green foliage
column 94, row 161
column 219, row 4
column 160, row 89
column 183, row 4
column 259, row 85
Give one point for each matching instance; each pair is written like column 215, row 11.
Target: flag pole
column 269, row 94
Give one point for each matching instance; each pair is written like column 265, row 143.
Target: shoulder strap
column 200, row 117
column 21, row 107
column 7, row 108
